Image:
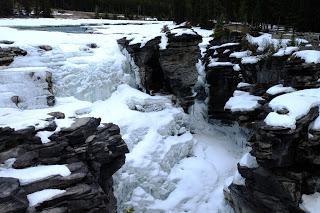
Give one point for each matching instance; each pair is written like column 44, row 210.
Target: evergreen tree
column 6, row 8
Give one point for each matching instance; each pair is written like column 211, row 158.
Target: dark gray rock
column 12, row 196
column 92, row 152
column 57, row 115
column 92, row 45
column 178, row 63
column 45, row 47
column 6, row 42
column 172, row 70
column 288, row 159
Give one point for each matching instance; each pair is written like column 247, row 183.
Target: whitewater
column 178, row 162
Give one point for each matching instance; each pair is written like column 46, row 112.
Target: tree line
column 303, row 15
column 37, row 8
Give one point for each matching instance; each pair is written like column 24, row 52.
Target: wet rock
column 45, row 47
column 16, row 100
column 92, row 45
column 6, row 42
column 51, row 100
column 57, row 115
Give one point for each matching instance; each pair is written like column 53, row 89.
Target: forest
column 300, row 14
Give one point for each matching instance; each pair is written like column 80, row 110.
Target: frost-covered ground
column 168, row 169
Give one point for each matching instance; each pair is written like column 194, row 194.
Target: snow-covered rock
column 241, row 54
column 311, row 203
column 309, row 56
column 250, row 60
column 242, row 101
column 298, row 104
column 43, row 195
column 278, row 89
column 286, row 51
column 248, row 161
column 32, row 174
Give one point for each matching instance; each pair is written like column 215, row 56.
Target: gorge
column 182, row 121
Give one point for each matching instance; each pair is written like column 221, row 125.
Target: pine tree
column 219, row 30
column 46, row 9
column 6, row 8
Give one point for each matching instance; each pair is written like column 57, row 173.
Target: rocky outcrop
column 91, row 151
column 171, row 70
column 178, row 63
column 288, row 168
column 287, row 158
column 7, row 54
column 222, row 79
column 289, row 71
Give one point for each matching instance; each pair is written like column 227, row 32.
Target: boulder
column 45, row 47
column 57, row 115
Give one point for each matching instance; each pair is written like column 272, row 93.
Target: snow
column 286, row 51
column 243, row 84
column 44, row 136
column 311, row 203
column 262, row 41
column 225, row 45
column 226, row 51
column 242, row 102
column 164, row 41
column 87, row 74
column 44, row 195
column 241, row 54
column 309, row 56
column 206, row 38
column 33, row 174
column 238, row 179
column 297, row 103
column 278, row 89
column 277, row 120
column 316, row 124
column 250, row 60
column 214, row 63
column 168, row 169
column 16, row 22
column 249, row 161
column 182, row 31
column 236, row 67
column 265, row 40
column 30, row 80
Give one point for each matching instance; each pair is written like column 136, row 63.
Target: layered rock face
column 288, row 168
column 90, row 152
column 222, row 78
column 171, row 70
column 287, row 158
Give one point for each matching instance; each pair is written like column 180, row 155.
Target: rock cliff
column 242, row 87
column 170, row 70
column 90, row 152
